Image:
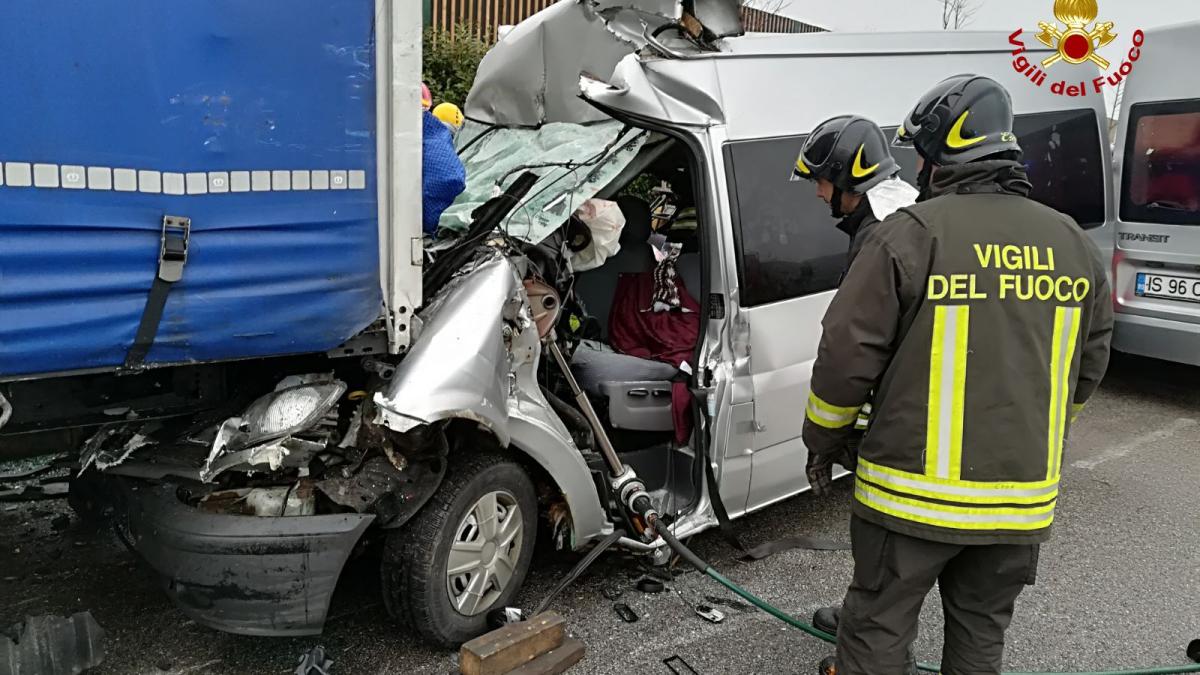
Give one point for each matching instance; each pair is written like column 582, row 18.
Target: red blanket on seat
column 634, row 328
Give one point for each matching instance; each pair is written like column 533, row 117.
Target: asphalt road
column 1119, row 585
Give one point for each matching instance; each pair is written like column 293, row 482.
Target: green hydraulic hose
column 698, row 563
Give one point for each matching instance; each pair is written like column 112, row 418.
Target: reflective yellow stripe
column 1062, row 353
column 966, row 492
column 960, row 391
column 829, row 416
column 947, row 390
column 1076, row 408
column 954, row 517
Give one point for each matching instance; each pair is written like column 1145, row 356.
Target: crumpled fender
column 460, row 367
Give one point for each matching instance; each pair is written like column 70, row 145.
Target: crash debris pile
column 303, row 449
column 539, row 646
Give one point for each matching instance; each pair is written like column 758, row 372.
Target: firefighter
column 981, row 321
column 849, row 160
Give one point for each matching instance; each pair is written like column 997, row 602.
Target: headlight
column 287, row 411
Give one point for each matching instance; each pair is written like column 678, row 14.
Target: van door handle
column 638, row 393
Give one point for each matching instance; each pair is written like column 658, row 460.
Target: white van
column 1156, row 264
column 475, row 441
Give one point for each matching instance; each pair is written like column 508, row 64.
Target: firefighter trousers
column 892, row 575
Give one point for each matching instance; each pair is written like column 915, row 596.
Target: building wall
column 486, row 15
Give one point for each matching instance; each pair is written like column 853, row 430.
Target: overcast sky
column 1008, row 15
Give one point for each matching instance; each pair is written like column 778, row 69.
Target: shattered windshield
column 573, row 163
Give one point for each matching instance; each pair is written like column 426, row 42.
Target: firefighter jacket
column 981, row 319
column 857, row 225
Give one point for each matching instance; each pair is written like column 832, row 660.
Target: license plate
column 1169, row 287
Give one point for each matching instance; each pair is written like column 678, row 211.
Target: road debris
column 52, row 645
column 29, row 493
column 314, row 662
column 625, row 612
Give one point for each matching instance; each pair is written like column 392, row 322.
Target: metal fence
column 484, row 16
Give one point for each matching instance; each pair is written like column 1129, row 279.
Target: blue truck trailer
column 197, row 199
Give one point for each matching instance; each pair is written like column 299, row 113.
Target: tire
column 417, row 590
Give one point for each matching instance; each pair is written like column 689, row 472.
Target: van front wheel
column 465, row 553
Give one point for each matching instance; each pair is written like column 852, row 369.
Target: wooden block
column 555, row 661
column 512, row 646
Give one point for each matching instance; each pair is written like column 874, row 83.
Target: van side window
column 1161, row 182
column 1065, row 162
column 788, row 242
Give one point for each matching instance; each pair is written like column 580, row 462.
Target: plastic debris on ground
column 314, row 662
column 52, row 645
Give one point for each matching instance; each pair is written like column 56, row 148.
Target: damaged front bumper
column 251, row 575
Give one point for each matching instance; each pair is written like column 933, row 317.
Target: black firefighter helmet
column 962, row 119
column 849, row 151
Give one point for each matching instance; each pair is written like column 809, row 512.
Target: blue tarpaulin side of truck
column 255, row 120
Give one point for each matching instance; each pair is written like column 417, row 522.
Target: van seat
column 638, row 391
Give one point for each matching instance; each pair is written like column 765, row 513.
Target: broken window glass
column 573, row 163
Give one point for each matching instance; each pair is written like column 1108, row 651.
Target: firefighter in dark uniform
column 981, row 321
column 847, row 157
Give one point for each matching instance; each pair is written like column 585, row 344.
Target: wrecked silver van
column 626, row 301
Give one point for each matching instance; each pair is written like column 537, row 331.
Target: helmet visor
column 816, row 151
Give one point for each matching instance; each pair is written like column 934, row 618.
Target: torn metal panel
column 113, row 444
column 288, row 453
column 530, row 77
column 464, row 326
column 720, row 18
column 243, row 574
column 675, row 92
column 52, row 645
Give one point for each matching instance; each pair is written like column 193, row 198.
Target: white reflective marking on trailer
column 218, row 181
column 239, row 181
column 74, row 177
column 301, row 180
column 99, row 178
column 45, row 175
column 20, row 174
column 172, row 183
column 197, row 183
column 260, row 181
column 125, row 180
column 150, row 182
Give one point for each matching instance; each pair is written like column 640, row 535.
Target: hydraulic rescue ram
column 623, row 480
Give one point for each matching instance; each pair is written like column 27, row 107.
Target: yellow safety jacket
column 981, row 321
